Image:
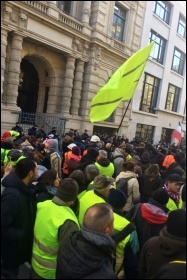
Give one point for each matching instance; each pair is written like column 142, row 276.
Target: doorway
column 28, row 87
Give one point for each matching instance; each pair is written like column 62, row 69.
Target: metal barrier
column 27, row 120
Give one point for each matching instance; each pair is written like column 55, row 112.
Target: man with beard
column 17, row 216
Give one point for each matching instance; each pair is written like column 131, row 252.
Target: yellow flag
column 121, row 86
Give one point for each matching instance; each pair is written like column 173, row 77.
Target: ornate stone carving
column 23, row 20
column 80, row 46
column 96, row 56
column 86, row 11
column 14, row 17
column 112, row 61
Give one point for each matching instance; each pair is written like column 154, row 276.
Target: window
column 150, row 93
column 178, row 61
column 145, row 132
column 181, row 29
column 65, row 6
column 172, row 98
column 162, row 9
column 118, row 25
column 158, row 50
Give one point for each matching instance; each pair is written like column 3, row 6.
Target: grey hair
column 103, row 153
column 92, row 171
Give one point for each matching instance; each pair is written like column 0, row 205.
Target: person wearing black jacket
column 150, row 217
column 17, row 217
column 89, row 253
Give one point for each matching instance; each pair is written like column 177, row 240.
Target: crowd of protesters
column 93, row 206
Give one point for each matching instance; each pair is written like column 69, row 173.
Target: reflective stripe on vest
column 49, row 218
column 44, row 263
column 44, row 248
column 183, row 262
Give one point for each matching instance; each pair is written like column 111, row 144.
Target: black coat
column 86, row 255
column 17, row 221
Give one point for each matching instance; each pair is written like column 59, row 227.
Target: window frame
column 182, row 26
column 180, row 69
column 154, row 94
column 161, row 47
column 174, row 101
column 165, row 10
column 119, row 17
column 144, row 132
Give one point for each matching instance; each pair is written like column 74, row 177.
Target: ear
column 31, row 173
column 107, row 231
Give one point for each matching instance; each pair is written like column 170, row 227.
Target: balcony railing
column 62, row 16
column 38, row 5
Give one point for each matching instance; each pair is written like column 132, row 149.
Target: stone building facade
column 56, row 55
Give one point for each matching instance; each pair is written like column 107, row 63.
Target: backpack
column 122, row 184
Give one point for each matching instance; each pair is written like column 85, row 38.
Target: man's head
column 174, row 182
column 68, row 190
column 102, row 185
column 176, row 223
column 27, row 170
column 99, row 218
column 91, row 171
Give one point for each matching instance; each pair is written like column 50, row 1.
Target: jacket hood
column 170, row 244
column 126, row 174
column 86, row 247
column 104, row 162
column 153, row 214
column 13, row 181
column 118, row 152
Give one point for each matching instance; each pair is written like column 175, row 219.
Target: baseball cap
column 175, row 178
column 70, row 146
column 95, row 138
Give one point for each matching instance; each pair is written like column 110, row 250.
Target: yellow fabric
column 49, row 218
column 119, row 224
column 121, row 85
column 171, row 205
column 87, row 200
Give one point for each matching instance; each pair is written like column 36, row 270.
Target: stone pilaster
column 4, row 34
column 77, row 88
column 68, row 85
column 14, row 70
column 86, row 12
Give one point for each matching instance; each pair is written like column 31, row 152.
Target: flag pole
column 123, row 117
column 119, row 126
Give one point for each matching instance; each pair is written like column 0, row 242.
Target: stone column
column 14, row 70
column 68, row 85
column 77, row 88
column 4, row 34
column 86, row 12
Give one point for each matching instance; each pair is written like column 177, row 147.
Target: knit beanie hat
column 53, row 145
column 101, row 182
column 67, row 190
column 176, row 222
column 161, row 196
column 76, row 151
column 116, row 198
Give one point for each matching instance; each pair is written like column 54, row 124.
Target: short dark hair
column 128, row 166
column 47, row 178
column 24, row 166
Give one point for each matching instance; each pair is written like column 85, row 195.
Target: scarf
column 172, row 195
